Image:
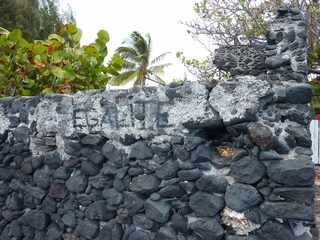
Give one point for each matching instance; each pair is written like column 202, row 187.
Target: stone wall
column 181, row 162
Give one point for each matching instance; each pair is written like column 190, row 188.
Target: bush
column 56, row 65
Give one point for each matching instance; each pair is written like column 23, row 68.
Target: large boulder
column 207, row 229
column 212, row 183
column 241, row 197
column 299, row 172
column 145, row 184
column 158, row 211
column 247, row 170
column 206, row 205
column 288, row 210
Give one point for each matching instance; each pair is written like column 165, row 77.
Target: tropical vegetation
column 58, row 64
column 138, row 65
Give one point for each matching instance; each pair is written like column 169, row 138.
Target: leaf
column 47, row 91
column 15, row 35
column 4, row 31
column 58, row 72
column 39, row 49
column 56, row 37
column 25, row 92
column 71, row 29
column 91, row 50
column 103, row 36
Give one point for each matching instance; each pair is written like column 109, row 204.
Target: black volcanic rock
column 207, row 229
column 206, row 205
column 292, row 172
column 140, row 150
column 241, row 197
column 145, row 184
column 247, row 170
column 158, row 211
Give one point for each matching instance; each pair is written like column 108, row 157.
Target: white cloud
column 162, row 19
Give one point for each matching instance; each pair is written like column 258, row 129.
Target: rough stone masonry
column 182, row 162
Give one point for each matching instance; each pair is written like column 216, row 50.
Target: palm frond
column 158, row 69
column 160, row 57
column 129, row 53
column 139, row 43
column 155, row 78
column 127, row 65
column 124, row 78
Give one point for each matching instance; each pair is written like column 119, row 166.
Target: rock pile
column 126, row 165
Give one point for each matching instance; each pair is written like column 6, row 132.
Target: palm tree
column 138, row 65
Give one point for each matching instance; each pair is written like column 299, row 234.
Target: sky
column 160, row 18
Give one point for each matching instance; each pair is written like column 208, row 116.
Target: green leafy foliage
column 55, row 65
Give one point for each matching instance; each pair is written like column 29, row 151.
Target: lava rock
column 277, row 61
column 189, row 175
column 261, row 135
column 111, row 152
column 168, row 170
column 36, row 219
column 287, row 210
column 145, row 184
column 292, row 172
column 87, row 229
column 275, row 230
column 91, row 140
column 299, row 195
column 132, row 203
column 99, row 211
column 301, row 135
column 159, row 211
column 180, row 152
column 6, row 174
column 111, row 231
column 89, row 168
column 241, row 197
column 52, row 159
column 172, row 191
column 77, row 183
column 22, row 134
column 35, row 192
column 113, row 197
column 179, row 223
column 212, row 183
column 42, row 178
column 190, row 143
column 234, row 237
column 166, row 233
column 206, row 205
column 269, row 155
column 247, row 170
column 203, row 153
column 141, row 151
column 96, row 157
column 69, row 219
column 61, row 173
column 142, row 221
column 207, row 229
column 57, row 191
column 299, row 93
column 140, row 235
column 53, row 232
